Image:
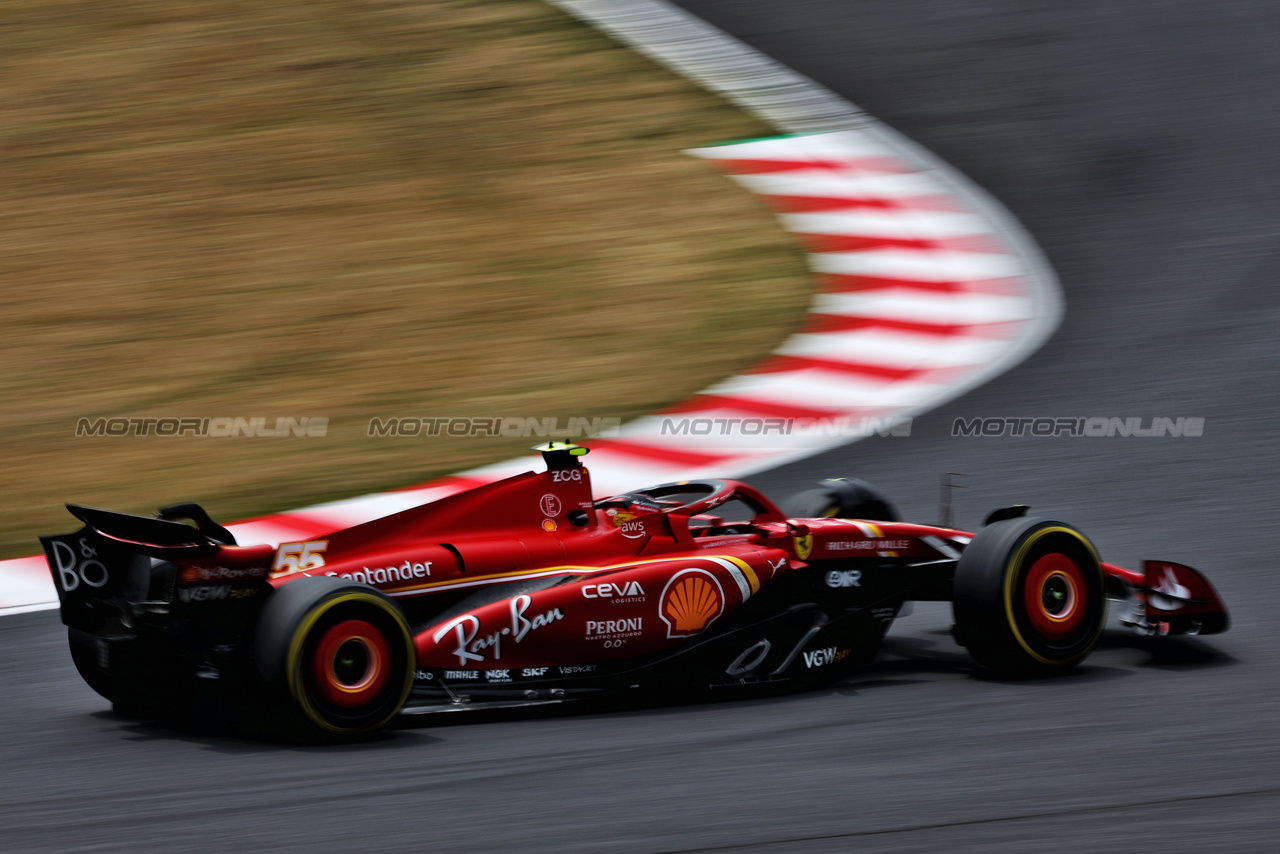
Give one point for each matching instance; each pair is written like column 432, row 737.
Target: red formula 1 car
column 528, row 590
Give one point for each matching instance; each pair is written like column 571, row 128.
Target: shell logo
column 690, row 601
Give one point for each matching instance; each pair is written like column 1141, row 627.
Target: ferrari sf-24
column 529, row 590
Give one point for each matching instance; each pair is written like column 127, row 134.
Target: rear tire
column 338, row 656
column 1029, row 597
column 844, row 498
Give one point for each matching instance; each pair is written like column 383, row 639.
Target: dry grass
column 348, row 209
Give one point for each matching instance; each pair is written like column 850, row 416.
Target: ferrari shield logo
column 803, row 545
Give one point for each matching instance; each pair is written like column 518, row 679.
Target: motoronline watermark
column 219, row 427
column 836, row 427
column 1095, row 427
column 549, row 427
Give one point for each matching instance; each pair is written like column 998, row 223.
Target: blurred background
column 349, row 210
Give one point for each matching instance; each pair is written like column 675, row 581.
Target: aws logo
column 692, row 599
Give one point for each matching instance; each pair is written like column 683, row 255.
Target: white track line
column 931, row 289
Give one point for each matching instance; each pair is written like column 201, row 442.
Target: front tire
column 1029, row 597
column 339, row 655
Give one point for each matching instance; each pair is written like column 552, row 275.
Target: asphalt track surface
column 1136, row 141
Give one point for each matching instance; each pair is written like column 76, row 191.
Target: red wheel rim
column 351, row 664
column 1054, row 596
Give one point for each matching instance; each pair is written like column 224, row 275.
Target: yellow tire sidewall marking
column 294, row 664
column 1013, row 570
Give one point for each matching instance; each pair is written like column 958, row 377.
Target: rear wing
column 160, row 536
column 109, row 560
